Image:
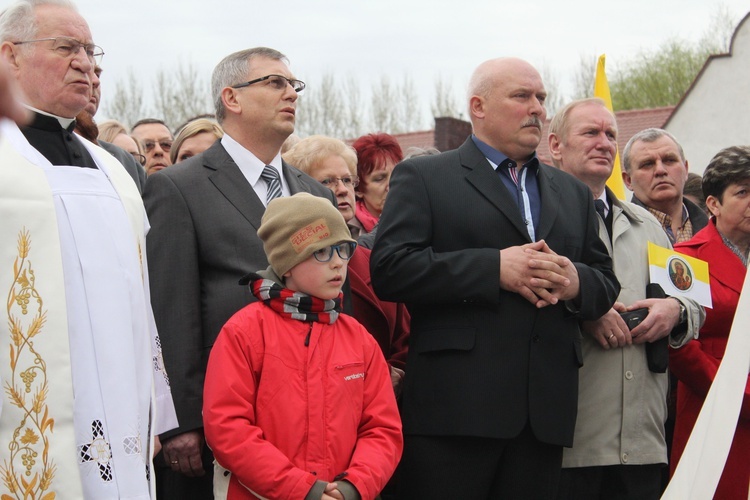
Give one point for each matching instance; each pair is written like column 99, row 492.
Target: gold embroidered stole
column 37, row 438
column 37, row 443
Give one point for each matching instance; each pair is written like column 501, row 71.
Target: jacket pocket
column 446, row 339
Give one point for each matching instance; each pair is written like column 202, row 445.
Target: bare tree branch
column 125, row 104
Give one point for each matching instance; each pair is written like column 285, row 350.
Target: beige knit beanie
column 294, row 227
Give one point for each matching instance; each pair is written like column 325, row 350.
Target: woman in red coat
column 334, row 164
column 724, row 244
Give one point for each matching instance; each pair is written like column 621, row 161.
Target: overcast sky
column 366, row 39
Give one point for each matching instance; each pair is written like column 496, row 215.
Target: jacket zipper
column 307, row 339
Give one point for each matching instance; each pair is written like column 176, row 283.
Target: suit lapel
column 483, row 178
column 550, row 194
column 228, row 179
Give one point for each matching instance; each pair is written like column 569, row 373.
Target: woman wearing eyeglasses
column 334, row 164
column 115, row 132
column 724, row 243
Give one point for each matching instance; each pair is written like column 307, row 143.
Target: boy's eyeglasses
column 345, row 251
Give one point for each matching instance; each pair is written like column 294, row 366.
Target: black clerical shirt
column 59, row 145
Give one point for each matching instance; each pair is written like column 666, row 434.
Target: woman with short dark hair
column 724, row 244
column 377, row 155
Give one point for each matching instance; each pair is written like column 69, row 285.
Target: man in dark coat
column 497, row 257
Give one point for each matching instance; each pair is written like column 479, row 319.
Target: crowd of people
column 227, row 310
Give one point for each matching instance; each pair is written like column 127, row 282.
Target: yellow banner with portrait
column 679, row 274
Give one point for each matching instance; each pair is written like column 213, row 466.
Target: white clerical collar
column 64, row 122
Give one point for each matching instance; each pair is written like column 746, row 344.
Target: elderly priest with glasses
column 84, row 385
column 205, row 213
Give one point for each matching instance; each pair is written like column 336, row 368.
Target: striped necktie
column 601, row 209
column 273, row 181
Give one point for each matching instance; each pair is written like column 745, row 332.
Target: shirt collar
column 249, row 164
column 666, row 219
column 603, row 197
column 497, row 157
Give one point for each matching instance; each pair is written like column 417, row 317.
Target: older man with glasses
column 84, row 383
column 204, row 214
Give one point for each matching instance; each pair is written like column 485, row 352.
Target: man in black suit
column 498, row 258
column 204, row 215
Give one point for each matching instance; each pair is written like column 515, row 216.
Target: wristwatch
column 683, row 313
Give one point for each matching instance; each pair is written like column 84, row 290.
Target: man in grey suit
column 497, row 257
column 204, row 215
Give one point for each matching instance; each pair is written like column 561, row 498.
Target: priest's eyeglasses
column 69, row 47
column 345, row 251
column 276, row 82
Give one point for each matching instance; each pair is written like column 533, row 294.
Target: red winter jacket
column 280, row 414
column 696, row 363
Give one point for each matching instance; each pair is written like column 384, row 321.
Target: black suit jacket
column 483, row 361
column 204, row 219
column 133, row 168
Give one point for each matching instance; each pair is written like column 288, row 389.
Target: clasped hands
column 538, row 274
column 183, row 453
column 332, row 493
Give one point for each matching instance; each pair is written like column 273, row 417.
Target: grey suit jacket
column 204, row 219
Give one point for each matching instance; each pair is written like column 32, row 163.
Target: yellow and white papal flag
column 601, row 90
column 679, row 274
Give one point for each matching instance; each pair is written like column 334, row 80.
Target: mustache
column 534, row 121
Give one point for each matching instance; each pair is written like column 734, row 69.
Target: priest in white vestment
column 84, row 387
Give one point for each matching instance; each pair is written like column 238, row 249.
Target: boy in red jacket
column 298, row 401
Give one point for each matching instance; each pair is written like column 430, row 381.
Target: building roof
column 629, row 123
column 706, row 64
column 422, row 139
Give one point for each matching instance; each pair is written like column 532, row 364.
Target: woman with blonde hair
column 115, row 133
column 195, row 137
column 334, row 164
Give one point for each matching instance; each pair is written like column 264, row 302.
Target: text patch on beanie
column 312, row 233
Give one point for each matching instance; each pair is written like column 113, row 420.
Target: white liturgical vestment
column 84, row 386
